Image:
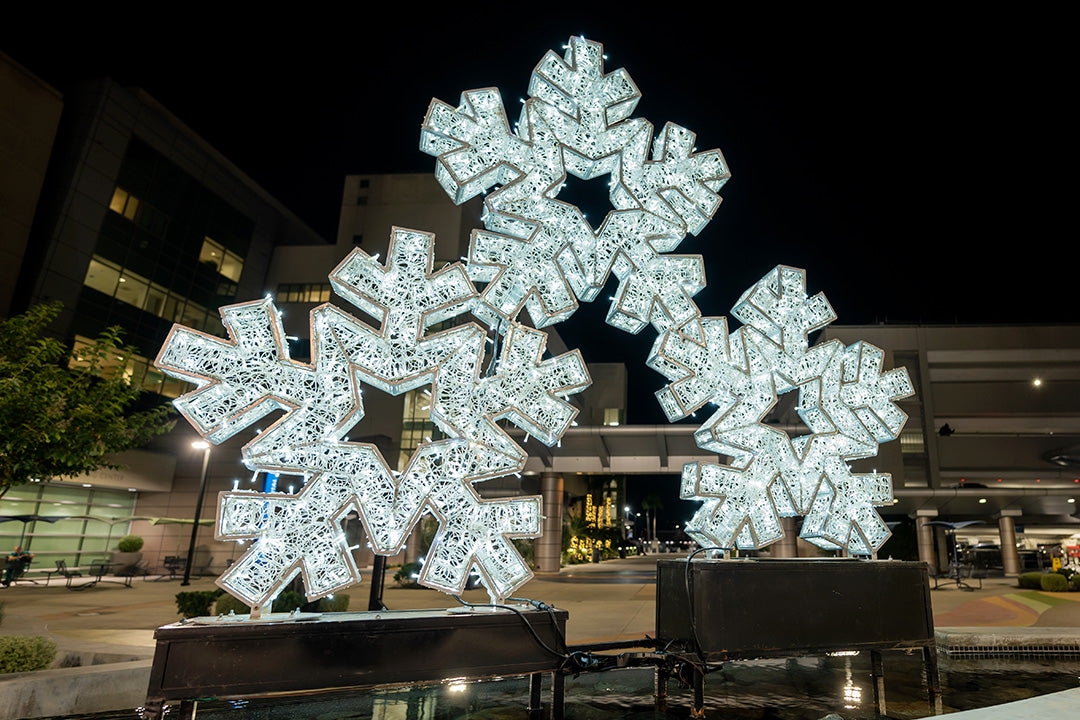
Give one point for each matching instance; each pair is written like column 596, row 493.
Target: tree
column 60, row 419
column 652, row 503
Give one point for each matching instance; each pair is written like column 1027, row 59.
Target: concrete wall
column 71, row 691
column 29, row 115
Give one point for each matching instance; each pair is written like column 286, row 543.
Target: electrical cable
column 690, row 606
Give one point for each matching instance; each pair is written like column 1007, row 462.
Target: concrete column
column 787, row 546
column 412, row 545
column 549, row 546
column 1010, row 558
column 926, row 537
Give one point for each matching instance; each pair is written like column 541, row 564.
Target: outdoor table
column 100, row 568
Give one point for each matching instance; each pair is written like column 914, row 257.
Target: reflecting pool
column 792, row 689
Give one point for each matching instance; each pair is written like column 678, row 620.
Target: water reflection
column 791, row 689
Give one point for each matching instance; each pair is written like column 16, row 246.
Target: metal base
column 719, row 610
column 242, row 658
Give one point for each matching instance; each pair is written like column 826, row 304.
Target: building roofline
column 212, row 152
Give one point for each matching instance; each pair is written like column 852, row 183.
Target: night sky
column 911, row 160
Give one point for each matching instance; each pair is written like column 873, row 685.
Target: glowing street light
column 205, row 447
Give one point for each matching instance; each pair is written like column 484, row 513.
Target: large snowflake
column 540, row 254
column 250, row 375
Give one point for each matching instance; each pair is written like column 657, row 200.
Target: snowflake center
column 591, row 196
column 786, row 413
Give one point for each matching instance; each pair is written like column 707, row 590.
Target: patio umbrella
column 178, row 521
column 30, row 518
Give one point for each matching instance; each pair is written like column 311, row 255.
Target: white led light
column 538, row 252
column 250, row 375
column 844, row 399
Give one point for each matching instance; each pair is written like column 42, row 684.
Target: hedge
column 20, row 653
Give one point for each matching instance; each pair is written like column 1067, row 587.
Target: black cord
column 524, row 619
column 572, row 662
column 690, row 607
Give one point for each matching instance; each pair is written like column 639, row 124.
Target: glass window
column 232, row 266
column 211, row 253
column 225, row 262
column 194, row 315
column 155, row 301
column 102, row 276
column 171, row 310
column 131, row 208
column 132, row 289
column 119, row 198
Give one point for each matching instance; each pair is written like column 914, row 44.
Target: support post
column 926, row 537
column 205, row 447
column 378, row 575
column 558, row 687
column 1010, row 558
column 698, row 710
column 877, row 674
column 412, row 545
column 535, row 681
column 660, row 680
column 788, row 545
column 933, row 680
column 549, row 547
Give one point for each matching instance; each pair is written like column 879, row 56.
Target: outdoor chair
column 969, row 572
column 62, row 570
column 203, row 567
column 132, row 571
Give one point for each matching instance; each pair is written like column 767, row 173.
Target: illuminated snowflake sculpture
column 250, row 375
column 540, row 254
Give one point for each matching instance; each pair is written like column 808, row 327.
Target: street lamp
column 205, row 447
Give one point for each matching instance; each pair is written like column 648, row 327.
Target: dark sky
column 912, row 158
column 907, row 158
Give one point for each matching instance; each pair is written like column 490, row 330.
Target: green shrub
column 338, row 603
column 288, row 601
column 21, row 654
column 1, row 612
column 1031, row 580
column 227, row 603
column 130, row 543
column 1074, row 584
column 1052, row 582
column 404, row 575
column 196, row 603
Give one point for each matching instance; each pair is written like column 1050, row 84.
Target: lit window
column 119, row 198
column 225, row 262
column 103, row 276
column 124, row 203
column 613, row 416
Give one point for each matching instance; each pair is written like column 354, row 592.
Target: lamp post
column 205, row 447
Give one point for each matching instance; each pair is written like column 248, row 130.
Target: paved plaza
column 613, row 600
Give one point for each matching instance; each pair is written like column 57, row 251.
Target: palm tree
column 652, row 503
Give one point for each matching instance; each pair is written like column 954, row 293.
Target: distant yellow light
column 1036, row 382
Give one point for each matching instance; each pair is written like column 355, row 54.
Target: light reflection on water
column 791, row 689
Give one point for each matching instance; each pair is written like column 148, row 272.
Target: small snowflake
column 844, row 399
